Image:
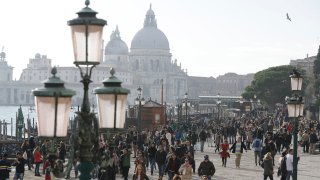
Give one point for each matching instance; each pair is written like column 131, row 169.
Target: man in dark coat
column 203, row 138
column 161, row 160
column 206, row 168
column 194, row 138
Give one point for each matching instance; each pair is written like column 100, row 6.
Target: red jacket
column 37, row 157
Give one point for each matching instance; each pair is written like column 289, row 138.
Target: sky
column 208, row 37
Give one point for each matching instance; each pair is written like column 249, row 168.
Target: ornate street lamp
column 295, row 109
column 186, row 106
column 218, row 103
column 54, row 101
column 86, row 31
column 53, row 104
column 139, row 101
column 112, row 102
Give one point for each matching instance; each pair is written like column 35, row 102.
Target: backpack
column 256, row 144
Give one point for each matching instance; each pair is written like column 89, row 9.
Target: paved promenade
column 308, row 168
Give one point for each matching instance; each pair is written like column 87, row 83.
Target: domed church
column 149, row 61
column 148, row 64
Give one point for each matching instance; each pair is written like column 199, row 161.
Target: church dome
column 150, row 37
column 116, row 45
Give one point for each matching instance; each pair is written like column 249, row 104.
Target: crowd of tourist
column 170, row 150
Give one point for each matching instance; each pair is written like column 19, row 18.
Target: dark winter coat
column 161, row 157
column 206, row 168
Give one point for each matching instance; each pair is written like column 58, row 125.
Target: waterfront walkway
column 308, row 168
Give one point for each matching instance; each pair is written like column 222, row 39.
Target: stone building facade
column 148, row 64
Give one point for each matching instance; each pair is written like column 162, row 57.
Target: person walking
column 62, row 151
column 282, row 171
column 172, row 166
column 152, row 156
column 257, row 146
column 237, row 148
column 140, row 159
column 289, row 164
column 125, row 163
column 271, row 147
column 186, row 170
column 305, row 142
column 313, row 140
column 267, row 166
column 161, row 160
column 27, row 153
column 44, row 153
column 279, row 141
column 37, row 160
column 217, row 142
column 140, row 174
column 206, row 168
column 224, row 154
column 5, row 167
column 209, row 138
column 19, row 162
column 191, row 161
column 202, row 137
column 31, row 146
column 189, row 148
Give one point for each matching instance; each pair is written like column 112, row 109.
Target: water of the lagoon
column 9, row 112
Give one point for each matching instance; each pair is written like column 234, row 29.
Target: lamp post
column 218, row 103
column 186, row 105
column 179, row 113
column 253, row 105
column 295, row 109
column 53, row 102
column 139, row 102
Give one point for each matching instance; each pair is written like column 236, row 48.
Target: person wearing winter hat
column 206, row 168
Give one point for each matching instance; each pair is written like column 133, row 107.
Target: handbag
column 279, row 172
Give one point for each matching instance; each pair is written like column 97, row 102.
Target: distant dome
column 150, row 37
column 150, row 12
column 116, row 45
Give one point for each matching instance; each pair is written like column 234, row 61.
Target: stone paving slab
column 308, row 168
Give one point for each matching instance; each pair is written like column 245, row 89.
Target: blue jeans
column 161, row 169
column 170, row 175
column 18, row 176
column 37, row 169
column 289, row 173
column 152, row 162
